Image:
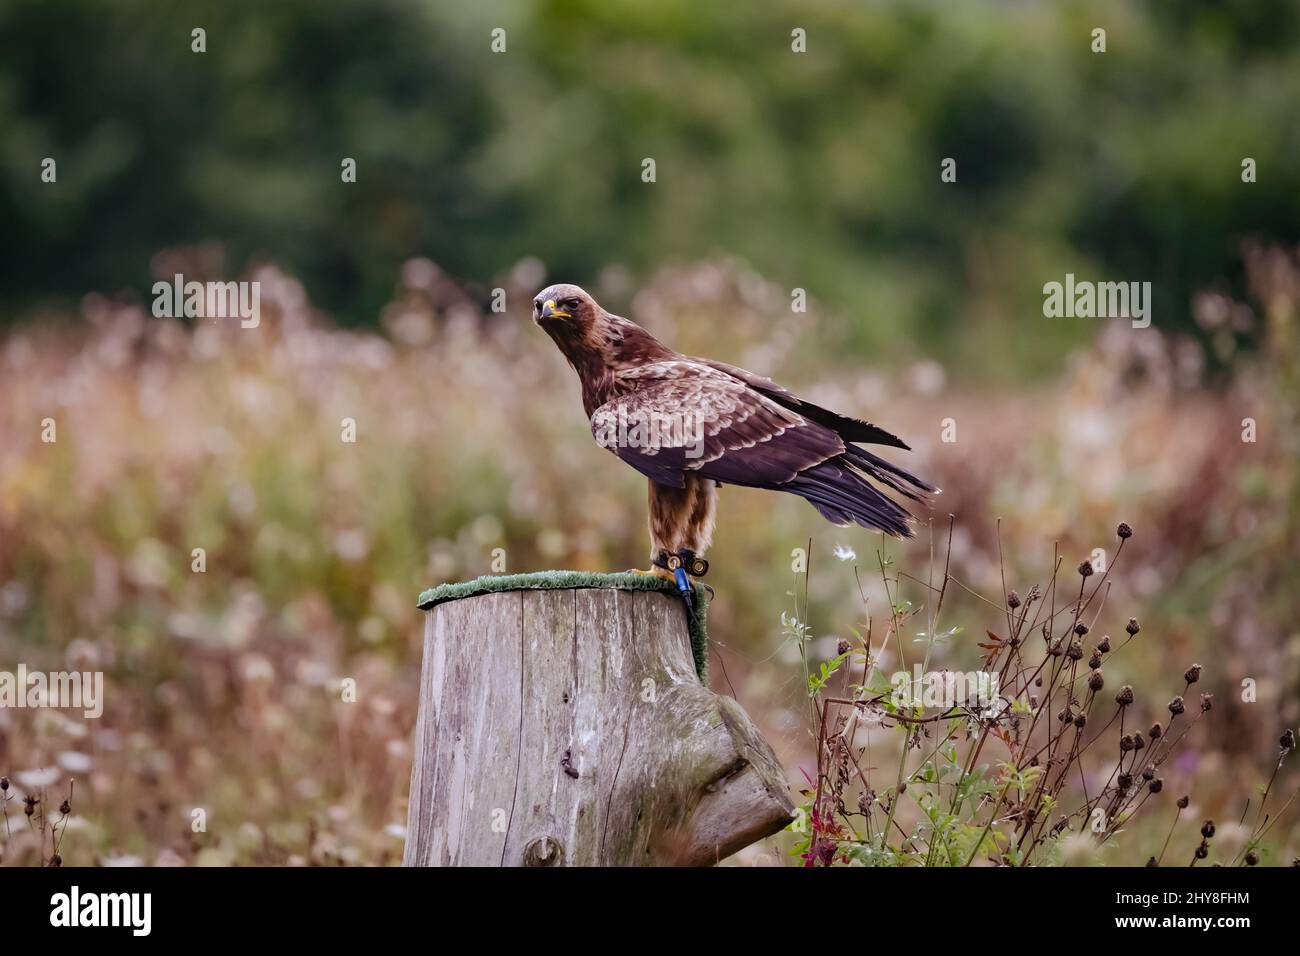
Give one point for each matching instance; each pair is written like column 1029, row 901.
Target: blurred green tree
column 820, row 168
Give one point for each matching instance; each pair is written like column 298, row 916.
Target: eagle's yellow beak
column 549, row 311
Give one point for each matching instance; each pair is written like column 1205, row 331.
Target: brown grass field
column 223, row 686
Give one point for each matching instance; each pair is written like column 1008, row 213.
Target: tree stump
column 568, row 726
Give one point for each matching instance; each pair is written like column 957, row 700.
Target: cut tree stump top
column 563, row 580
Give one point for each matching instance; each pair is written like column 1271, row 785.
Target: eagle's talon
column 654, row 572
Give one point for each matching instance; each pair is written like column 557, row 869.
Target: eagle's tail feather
column 843, row 496
column 882, row 471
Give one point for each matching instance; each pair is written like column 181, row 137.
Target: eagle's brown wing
column 850, row 429
column 697, row 418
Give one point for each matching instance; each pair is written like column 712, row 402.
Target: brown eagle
column 691, row 424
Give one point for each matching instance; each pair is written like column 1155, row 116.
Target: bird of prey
column 690, row 425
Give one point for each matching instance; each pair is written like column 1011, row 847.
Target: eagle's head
column 567, row 306
column 575, row 323
column 594, row 342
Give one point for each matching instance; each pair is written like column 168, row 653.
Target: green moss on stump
column 561, row 580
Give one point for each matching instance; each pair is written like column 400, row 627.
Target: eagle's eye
column 571, row 305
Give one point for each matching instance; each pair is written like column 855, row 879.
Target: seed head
column 1192, row 674
column 1133, row 627
column 1203, row 850
column 864, row 803
column 65, row 808
column 1013, row 600
column 1125, row 695
column 1176, row 706
column 1085, row 568
column 1157, row 785
column 843, row 647
column 1075, row 651
column 1081, row 629
column 1183, row 801
column 1125, row 781
column 1207, row 702
column 1104, row 644
column 1138, row 742
column 1095, row 681
column 1125, row 531
column 1252, row 858
column 1081, row 720
column 1126, row 743
column 1155, row 731
column 4, row 781
column 1207, row 829
column 1287, row 740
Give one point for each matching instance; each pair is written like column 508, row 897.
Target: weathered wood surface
column 569, row 728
